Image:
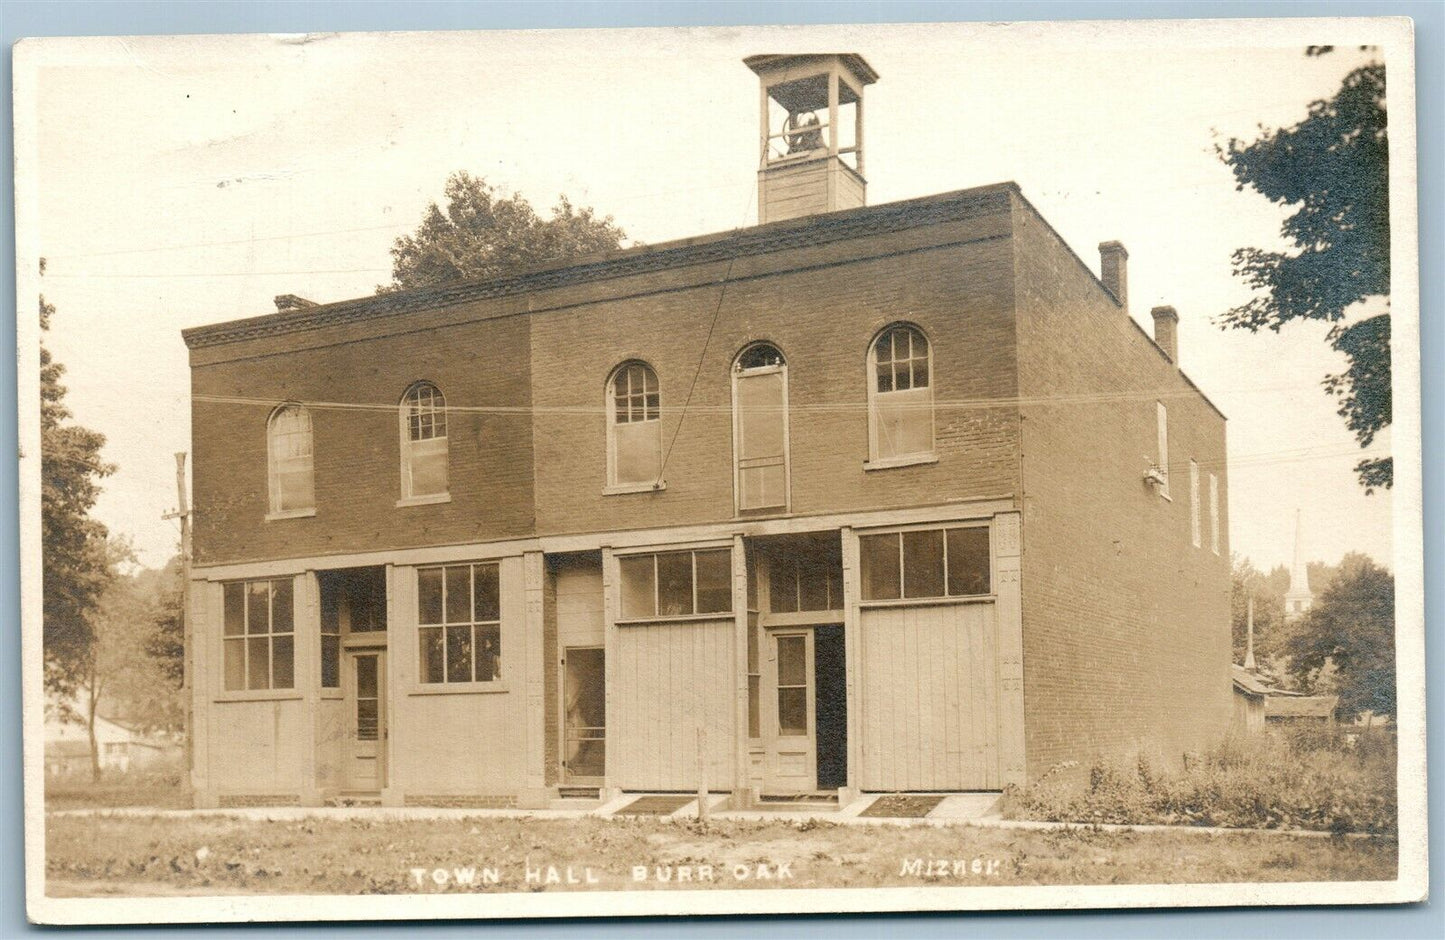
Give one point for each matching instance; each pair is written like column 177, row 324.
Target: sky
column 188, row 180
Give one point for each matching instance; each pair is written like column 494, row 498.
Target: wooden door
column 365, row 682
column 762, row 438
column 929, row 690
column 790, row 725
column 584, row 715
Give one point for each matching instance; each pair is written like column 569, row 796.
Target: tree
column 73, row 545
column 166, row 643
column 1349, row 635
column 483, row 234
column 1334, row 167
column 1245, row 581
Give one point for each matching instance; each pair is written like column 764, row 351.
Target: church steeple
column 1298, row 599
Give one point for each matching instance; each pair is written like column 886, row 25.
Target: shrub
column 1298, row 778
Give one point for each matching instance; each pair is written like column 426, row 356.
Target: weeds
column 1307, row 778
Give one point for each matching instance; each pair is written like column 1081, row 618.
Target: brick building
column 890, row 498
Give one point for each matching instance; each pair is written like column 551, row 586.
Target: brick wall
column 822, row 319
column 357, row 451
column 820, row 301
column 1126, row 623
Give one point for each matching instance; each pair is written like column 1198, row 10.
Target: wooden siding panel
column 678, row 683
column 930, row 698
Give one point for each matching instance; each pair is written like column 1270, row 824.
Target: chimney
column 1114, row 271
column 292, row 302
column 1166, row 331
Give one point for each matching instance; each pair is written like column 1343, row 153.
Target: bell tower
column 811, row 133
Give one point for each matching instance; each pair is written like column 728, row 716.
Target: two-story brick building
column 891, row 498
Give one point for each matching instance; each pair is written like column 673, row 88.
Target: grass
column 1306, row 778
column 158, row 790
column 203, row 855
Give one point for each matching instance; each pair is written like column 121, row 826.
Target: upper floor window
column 423, row 443
column 900, row 393
column 459, row 623
column 258, row 635
column 1162, row 430
column 925, row 563
column 1214, row 513
column 289, row 462
column 634, row 426
column 1194, row 525
column 760, row 428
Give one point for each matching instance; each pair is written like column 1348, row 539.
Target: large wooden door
column 930, row 711
column 761, row 437
column 791, row 759
column 364, row 685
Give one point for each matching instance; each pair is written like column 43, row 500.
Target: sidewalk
column 970, row 809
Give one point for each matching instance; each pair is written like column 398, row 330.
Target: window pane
column 920, row 372
column 968, row 561
column 258, row 600
column 835, row 586
column 283, row 606
column 459, row 594
column 331, row 662
column 792, row 660
column 429, row 595
column 235, row 656
column 283, row 662
column 258, row 663
column 879, row 560
column 923, row 564
column 489, row 653
column 885, row 376
column 488, row 592
column 783, row 586
column 639, row 594
column 235, row 609
column 431, row 655
column 674, row 584
column 429, row 472
column 813, row 585
column 294, row 482
column 459, row 654
column 638, row 452
column 366, row 676
column 755, row 723
column 792, row 711
column 714, row 582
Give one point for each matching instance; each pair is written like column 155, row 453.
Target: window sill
column 930, row 601
column 624, row 488
column 291, row 514
column 912, row 460
column 424, row 500
column 459, row 688
column 675, row 618
column 267, row 695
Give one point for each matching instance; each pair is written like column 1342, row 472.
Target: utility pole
column 183, row 513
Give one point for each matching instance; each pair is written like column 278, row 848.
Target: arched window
column 634, row 427
column 288, row 461
column 760, row 428
column 900, row 395
column 423, row 444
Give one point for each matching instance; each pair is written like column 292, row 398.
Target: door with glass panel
column 789, row 725
column 364, row 679
column 584, row 715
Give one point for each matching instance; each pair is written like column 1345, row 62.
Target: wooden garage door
column 668, row 680
column 930, row 698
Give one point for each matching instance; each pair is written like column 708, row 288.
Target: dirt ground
column 109, row 856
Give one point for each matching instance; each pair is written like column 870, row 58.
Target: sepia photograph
column 556, row 473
